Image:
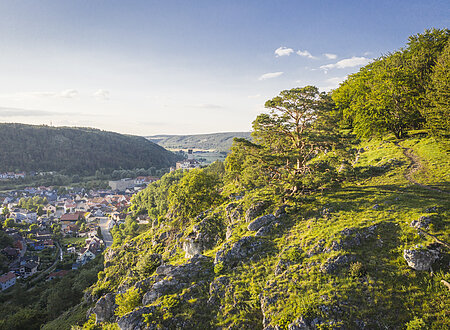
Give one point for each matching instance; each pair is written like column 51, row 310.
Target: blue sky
column 185, row 67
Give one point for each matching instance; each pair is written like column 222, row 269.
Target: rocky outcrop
column 422, row 223
column 255, row 210
column 230, row 255
column 135, row 319
column 105, row 307
column 334, row 263
column 217, row 289
column 171, row 279
column 233, row 212
column 259, row 222
column 420, row 259
column 204, row 235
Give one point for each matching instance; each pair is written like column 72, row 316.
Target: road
column 107, row 237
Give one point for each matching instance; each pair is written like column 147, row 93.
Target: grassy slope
column 378, row 290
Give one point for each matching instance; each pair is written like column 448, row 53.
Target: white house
column 7, row 280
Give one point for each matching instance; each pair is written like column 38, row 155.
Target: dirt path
column 414, row 166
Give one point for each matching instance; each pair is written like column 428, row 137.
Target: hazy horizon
column 178, row 68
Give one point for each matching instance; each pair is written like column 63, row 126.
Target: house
column 29, row 269
column 7, row 280
column 24, row 215
column 85, row 256
column 122, row 185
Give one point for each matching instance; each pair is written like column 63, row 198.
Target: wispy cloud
column 270, row 75
column 102, row 94
column 347, row 63
column 254, row 96
column 333, row 82
column 330, row 56
column 283, row 51
column 305, row 53
column 69, row 93
column 207, row 106
column 20, row 112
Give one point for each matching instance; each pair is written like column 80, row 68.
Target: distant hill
column 214, row 141
column 76, row 150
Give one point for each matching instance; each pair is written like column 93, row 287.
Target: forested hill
column 75, row 150
column 214, row 141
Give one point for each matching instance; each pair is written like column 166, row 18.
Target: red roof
column 5, row 278
column 70, row 217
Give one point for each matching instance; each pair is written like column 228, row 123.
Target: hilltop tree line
column 76, row 150
column 403, row 90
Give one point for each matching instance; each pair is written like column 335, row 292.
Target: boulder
column 171, row 279
column 422, row 223
column 104, row 308
column 256, row 224
column 204, row 235
column 334, row 263
column 267, row 230
column 420, row 259
column 217, row 289
column 230, row 255
column 135, row 320
column 255, row 210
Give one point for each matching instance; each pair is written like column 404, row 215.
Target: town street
column 104, row 226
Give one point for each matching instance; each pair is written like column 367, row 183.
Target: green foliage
column 127, row 301
column 437, row 113
column 76, row 150
column 196, row 192
column 389, row 94
column 416, row 324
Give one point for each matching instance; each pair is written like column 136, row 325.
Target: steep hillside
column 215, row 141
column 75, row 150
column 364, row 255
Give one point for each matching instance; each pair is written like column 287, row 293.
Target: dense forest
column 215, row 141
column 76, row 150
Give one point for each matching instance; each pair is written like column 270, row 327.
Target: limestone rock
column 217, row 289
column 246, row 247
column 135, row 321
column 260, row 222
column 422, row 223
column 171, row 278
column 105, row 307
column 420, row 259
column 255, row 210
column 334, row 263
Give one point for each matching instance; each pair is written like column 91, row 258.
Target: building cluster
column 132, row 184
column 188, row 163
column 12, row 175
column 74, row 213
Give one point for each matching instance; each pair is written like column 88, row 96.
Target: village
column 48, row 232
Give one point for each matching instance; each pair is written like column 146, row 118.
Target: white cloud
column 69, row 93
column 102, row 94
column 330, row 56
column 270, row 75
column 347, row 63
column 283, row 51
column 305, row 53
column 207, row 106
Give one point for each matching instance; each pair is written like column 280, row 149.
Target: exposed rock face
column 422, row 223
column 420, row 259
column 256, row 224
column 135, row 321
column 170, row 279
column 334, row 263
column 203, row 236
column 105, row 307
column 233, row 212
column 255, row 210
column 231, row 255
column 217, row 289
